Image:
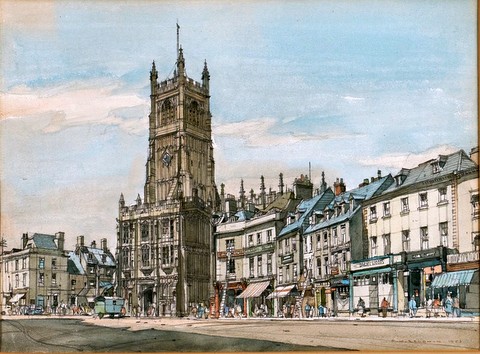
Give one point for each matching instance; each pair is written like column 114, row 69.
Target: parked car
column 34, row 310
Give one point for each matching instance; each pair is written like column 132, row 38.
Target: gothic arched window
column 194, row 113
column 145, row 256
column 125, row 256
column 167, row 112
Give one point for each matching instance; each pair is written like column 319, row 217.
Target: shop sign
column 427, row 254
column 463, row 257
column 371, row 263
column 334, row 270
column 260, row 249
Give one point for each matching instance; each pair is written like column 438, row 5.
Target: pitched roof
column 360, row 193
column 306, row 207
column 280, row 202
column 44, row 241
column 101, row 257
column 333, row 220
column 457, row 161
column 364, row 192
column 74, row 265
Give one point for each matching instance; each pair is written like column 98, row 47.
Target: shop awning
column 106, row 285
column 452, row 279
column 281, row 291
column 254, row 290
column 15, row 298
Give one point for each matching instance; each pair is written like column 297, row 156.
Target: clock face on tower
column 166, row 158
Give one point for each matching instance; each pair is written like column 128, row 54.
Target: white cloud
column 351, row 99
column 75, row 103
column 401, row 160
column 260, row 133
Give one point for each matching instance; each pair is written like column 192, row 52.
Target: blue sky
column 348, row 86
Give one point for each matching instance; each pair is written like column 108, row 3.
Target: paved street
column 157, row 335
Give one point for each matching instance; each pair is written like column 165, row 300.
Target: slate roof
column 306, row 207
column 97, row 254
column 280, row 202
column 74, row 265
column 243, row 215
column 457, row 161
column 360, row 193
column 334, row 220
column 44, row 241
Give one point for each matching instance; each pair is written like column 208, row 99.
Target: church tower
column 165, row 242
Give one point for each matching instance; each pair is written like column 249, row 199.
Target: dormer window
column 436, row 167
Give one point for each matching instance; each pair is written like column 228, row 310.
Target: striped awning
column 452, row 279
column 281, row 291
column 254, row 290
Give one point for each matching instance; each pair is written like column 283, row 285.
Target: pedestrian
column 361, row 307
column 307, row 310
column 429, row 307
column 321, row 311
column 448, row 305
column 456, row 306
column 384, row 307
column 412, row 307
column 436, row 305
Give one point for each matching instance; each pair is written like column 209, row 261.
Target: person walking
column 321, row 311
column 361, row 307
column 456, row 307
column 412, row 307
column 436, row 306
column 448, row 305
column 384, row 305
column 429, row 306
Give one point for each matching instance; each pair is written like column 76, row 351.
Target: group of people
column 451, row 306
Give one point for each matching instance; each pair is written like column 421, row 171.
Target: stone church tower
column 165, row 241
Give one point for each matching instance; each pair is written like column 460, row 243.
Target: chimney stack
column 339, row 186
column 24, row 240
column 103, row 243
column 60, row 237
column 80, row 240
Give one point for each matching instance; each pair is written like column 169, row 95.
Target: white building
column 414, row 225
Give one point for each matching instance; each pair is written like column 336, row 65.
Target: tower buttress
column 242, row 195
column 205, row 76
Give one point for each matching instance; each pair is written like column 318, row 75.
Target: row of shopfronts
column 421, row 275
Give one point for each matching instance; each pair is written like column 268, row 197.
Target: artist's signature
column 427, row 341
